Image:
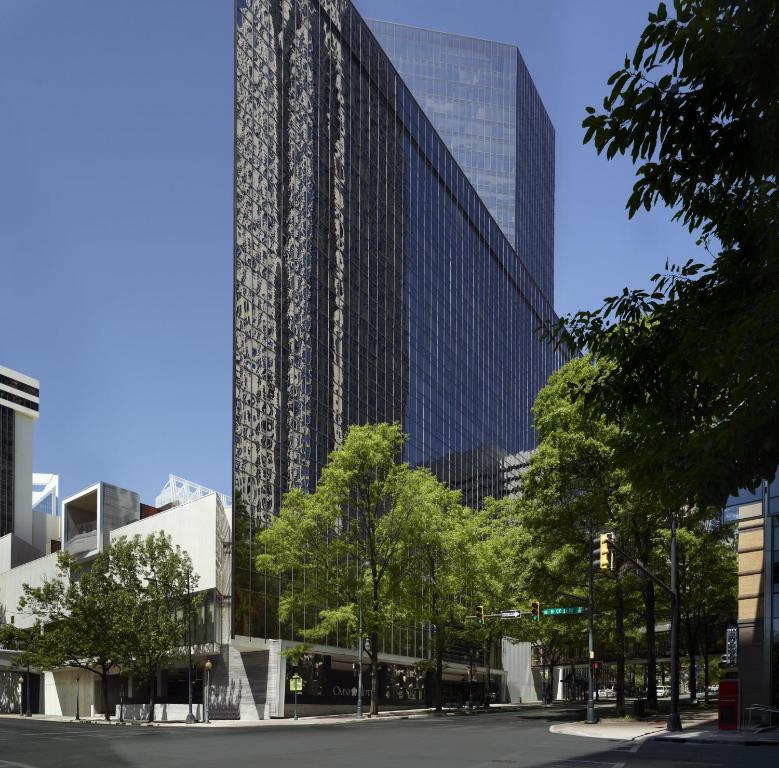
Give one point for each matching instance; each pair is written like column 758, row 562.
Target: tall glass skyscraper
column 371, row 281
column 481, row 100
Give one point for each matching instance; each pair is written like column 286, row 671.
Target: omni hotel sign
column 340, row 690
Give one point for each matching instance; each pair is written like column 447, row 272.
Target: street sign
column 563, row 611
column 510, row 614
column 296, row 683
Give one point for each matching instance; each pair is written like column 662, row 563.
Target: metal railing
column 762, row 709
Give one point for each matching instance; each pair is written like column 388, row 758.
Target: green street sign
column 296, row 683
column 563, row 611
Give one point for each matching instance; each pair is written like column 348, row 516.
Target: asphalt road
column 506, row 740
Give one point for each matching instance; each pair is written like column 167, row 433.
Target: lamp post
column 359, row 649
column 28, row 711
column 78, row 690
column 470, row 679
column 207, row 693
column 20, row 682
column 674, row 723
column 190, row 717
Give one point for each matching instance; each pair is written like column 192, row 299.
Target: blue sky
column 116, row 211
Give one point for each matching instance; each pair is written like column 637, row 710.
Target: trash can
column 728, row 704
column 639, row 707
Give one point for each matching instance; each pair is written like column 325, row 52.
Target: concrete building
column 92, row 519
column 756, row 515
column 19, row 407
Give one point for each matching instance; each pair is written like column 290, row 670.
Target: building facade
column 480, row 98
column 19, row 406
column 371, row 281
column 756, row 515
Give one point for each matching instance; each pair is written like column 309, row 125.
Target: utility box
column 729, row 704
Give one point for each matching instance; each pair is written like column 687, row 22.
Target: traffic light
column 480, row 614
column 605, row 558
column 535, row 610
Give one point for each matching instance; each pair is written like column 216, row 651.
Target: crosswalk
column 70, row 734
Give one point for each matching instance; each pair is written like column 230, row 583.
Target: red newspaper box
column 728, row 705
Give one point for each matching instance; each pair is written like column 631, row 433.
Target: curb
column 715, row 742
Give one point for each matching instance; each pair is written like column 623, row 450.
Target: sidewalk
column 403, row 714
column 695, row 731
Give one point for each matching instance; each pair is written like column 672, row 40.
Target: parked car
column 663, row 690
column 607, row 693
column 714, row 688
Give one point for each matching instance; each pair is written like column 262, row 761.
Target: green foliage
column 123, row 609
column 697, row 109
column 81, row 611
column 156, row 585
column 349, row 542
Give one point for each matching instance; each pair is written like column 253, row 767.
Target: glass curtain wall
column 372, row 284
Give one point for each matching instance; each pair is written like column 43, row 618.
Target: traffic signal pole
column 674, row 722
column 592, row 718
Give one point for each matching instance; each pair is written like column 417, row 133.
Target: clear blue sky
column 116, row 206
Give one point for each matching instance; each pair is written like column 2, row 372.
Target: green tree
column 708, row 588
column 157, row 586
column 83, row 615
column 697, row 109
column 348, row 542
column 577, row 483
column 549, row 575
column 442, row 536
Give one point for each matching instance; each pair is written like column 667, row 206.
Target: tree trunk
column 438, row 677
column 705, row 662
column 487, row 653
column 152, row 691
column 619, row 609
column 651, row 659
column 104, row 678
column 374, row 673
column 692, row 652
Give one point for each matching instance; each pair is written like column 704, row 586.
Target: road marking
column 11, row 764
column 628, row 746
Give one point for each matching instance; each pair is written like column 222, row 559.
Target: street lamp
column 674, row 723
column 78, row 690
column 207, row 694
column 20, row 681
column 190, row 717
column 470, row 679
column 28, row 711
column 359, row 649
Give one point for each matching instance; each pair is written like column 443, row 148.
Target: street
column 506, row 740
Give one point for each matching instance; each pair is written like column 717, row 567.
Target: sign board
column 731, row 645
column 510, row 614
column 563, row 611
column 296, row 683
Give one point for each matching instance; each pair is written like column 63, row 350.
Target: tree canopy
column 697, row 109
column 123, row 610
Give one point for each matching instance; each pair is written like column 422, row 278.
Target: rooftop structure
column 180, row 491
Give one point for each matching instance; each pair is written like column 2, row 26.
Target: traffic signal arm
column 641, row 567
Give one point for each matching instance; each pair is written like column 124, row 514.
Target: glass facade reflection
column 480, row 97
column 371, row 283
